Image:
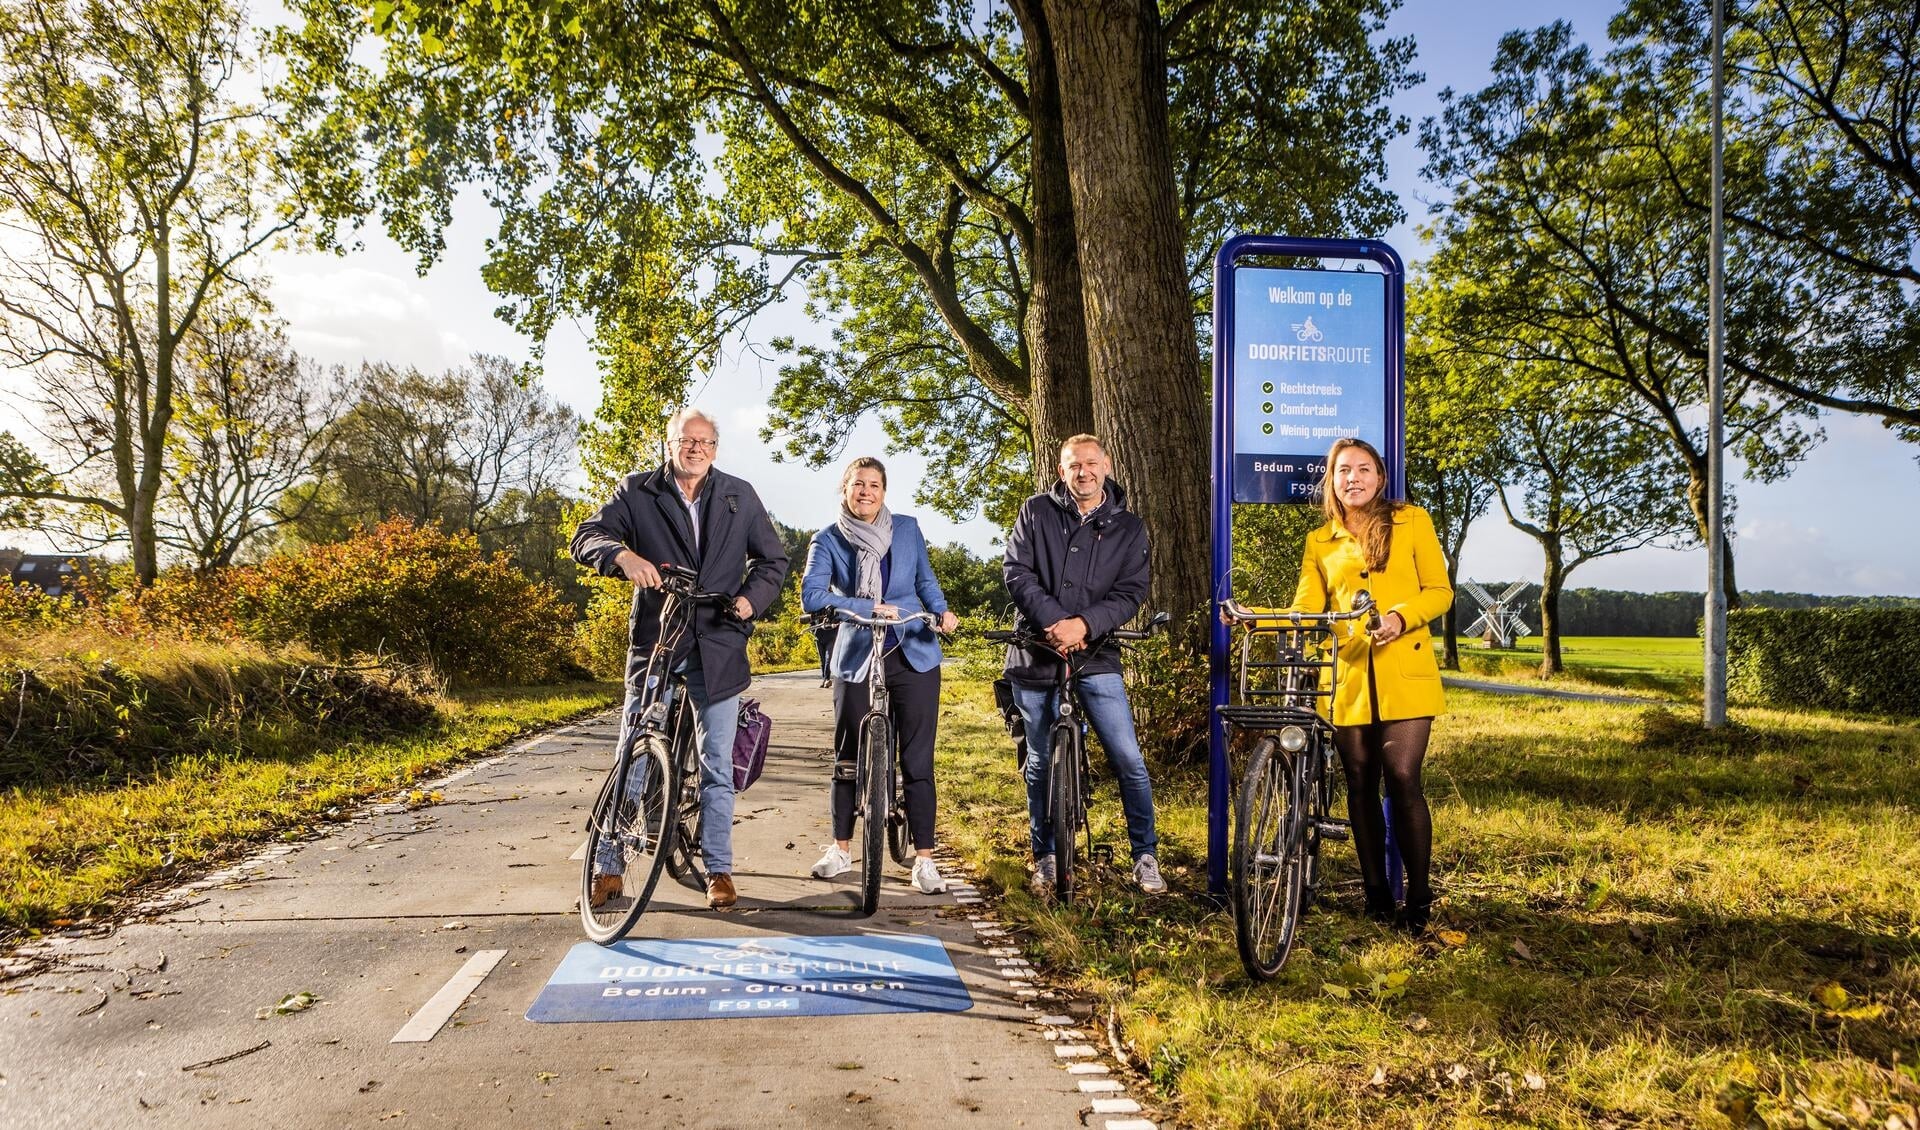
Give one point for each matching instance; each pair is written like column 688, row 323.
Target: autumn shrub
column 418, row 593
column 600, row 637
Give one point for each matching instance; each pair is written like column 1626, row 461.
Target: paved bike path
column 378, row 914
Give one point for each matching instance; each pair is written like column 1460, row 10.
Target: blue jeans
column 714, row 724
column 1104, row 698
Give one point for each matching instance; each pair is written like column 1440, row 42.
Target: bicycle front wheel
column 1064, row 799
column 1270, row 858
column 874, row 790
column 630, row 834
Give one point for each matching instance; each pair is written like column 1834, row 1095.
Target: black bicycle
column 647, row 816
column 878, row 807
column 1289, row 664
column 1069, row 772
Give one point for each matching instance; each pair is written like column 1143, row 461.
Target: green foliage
column 1825, row 658
column 974, row 586
column 601, row 637
column 22, row 477
column 780, row 639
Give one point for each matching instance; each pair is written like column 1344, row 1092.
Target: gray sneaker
column 1146, row 872
column 1043, row 876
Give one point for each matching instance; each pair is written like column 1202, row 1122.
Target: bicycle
column 1284, row 809
column 878, row 805
column 660, row 828
column 1069, row 772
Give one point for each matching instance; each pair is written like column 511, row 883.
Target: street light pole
column 1714, row 712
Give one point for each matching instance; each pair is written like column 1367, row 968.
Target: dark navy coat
column 739, row 553
column 1059, row 565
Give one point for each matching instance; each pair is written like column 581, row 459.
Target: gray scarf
column 870, row 541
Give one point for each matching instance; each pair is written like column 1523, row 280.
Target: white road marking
column 1100, row 1086
column 580, row 852
column 1056, row 1021
column 426, row 1023
column 1115, row 1106
column 1074, row 1051
column 1087, row 1069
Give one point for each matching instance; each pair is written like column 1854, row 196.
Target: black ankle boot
column 1413, row 916
column 1379, row 902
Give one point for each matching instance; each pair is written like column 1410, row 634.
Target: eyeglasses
column 697, row 444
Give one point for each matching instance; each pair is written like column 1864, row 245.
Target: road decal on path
column 716, row 978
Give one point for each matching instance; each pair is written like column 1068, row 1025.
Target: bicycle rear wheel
column 629, row 836
column 1064, row 800
column 874, row 788
column 1270, row 857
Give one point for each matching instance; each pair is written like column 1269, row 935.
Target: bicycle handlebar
column 902, row 620
column 1029, row 639
column 1237, row 613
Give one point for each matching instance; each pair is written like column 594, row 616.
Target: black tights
column 1394, row 751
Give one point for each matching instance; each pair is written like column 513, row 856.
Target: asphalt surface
column 155, row 1023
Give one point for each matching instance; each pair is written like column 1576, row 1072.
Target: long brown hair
column 1373, row 523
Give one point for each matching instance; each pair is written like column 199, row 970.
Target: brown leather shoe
column 720, row 892
column 604, row 887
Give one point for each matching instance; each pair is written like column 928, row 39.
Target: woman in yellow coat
column 1389, row 686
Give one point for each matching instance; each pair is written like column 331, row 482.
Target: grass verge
column 70, row 851
column 1643, row 926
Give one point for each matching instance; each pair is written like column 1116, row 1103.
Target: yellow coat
column 1414, row 584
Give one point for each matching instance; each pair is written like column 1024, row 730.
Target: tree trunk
column 1551, row 583
column 1055, row 329
column 1697, row 503
column 1140, row 345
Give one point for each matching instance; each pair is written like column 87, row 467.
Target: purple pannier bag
column 750, row 744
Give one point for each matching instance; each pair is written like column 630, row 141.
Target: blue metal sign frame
column 1219, row 777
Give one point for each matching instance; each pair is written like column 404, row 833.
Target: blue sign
column 1309, row 364
column 704, row 978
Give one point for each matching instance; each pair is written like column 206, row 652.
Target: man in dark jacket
column 688, row 514
column 1077, row 568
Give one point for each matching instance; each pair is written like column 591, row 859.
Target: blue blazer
column 830, row 577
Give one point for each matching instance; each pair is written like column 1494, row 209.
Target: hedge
column 1826, row 658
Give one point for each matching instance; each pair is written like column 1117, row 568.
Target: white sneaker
column 1044, row 875
column 927, row 877
column 1146, row 872
column 835, row 862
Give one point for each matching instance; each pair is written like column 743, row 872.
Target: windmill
column 1498, row 624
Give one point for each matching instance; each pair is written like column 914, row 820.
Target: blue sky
column 1823, row 530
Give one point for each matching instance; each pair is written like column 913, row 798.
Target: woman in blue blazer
column 872, row 562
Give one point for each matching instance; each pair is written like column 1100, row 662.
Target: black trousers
column 916, row 717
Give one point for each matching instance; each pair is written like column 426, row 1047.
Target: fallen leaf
column 1337, row 992
column 453, row 925
column 1534, row 1082
column 1521, row 951
column 546, row 1076
column 1860, row 1109
column 1459, row 1073
column 1379, row 1077
column 1454, row 938
column 1831, row 995
column 1419, row 1023
column 291, row 1003
column 1862, row 1012
column 859, row 1097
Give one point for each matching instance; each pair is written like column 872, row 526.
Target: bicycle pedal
column 843, row 771
column 1334, row 832
column 1103, row 853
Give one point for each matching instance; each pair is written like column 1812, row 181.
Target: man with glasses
column 686, row 513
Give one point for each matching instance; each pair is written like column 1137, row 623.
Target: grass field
column 70, row 851
column 1643, row 926
column 1662, row 665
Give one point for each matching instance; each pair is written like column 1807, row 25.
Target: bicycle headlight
column 1293, row 739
